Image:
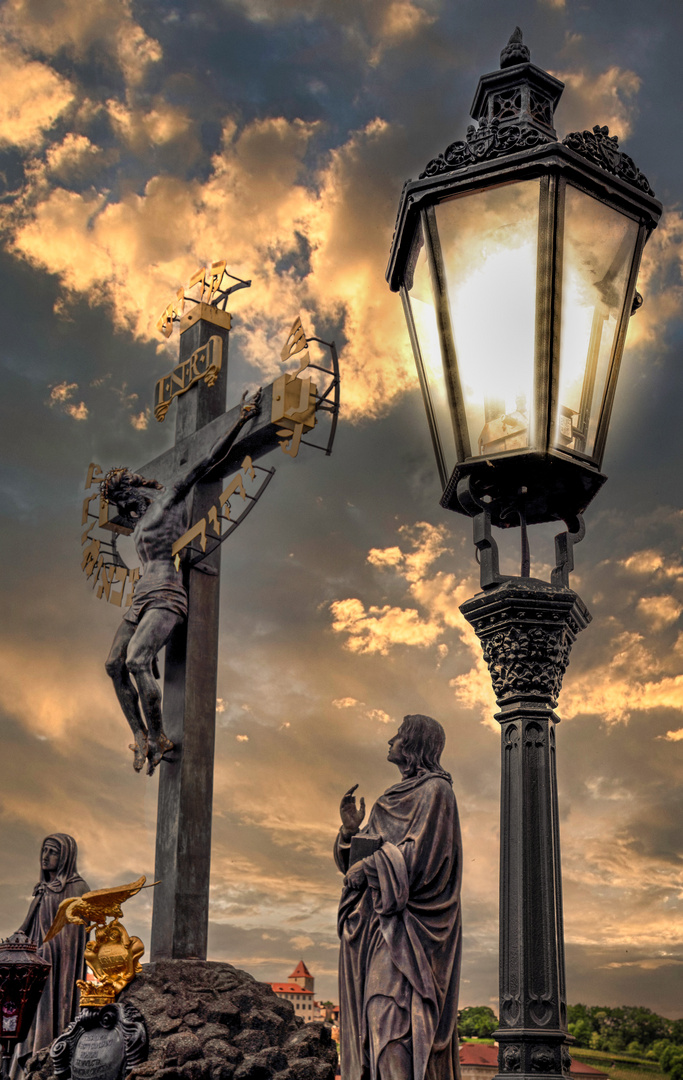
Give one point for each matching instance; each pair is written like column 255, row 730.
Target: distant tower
column 299, row 991
column 303, row 977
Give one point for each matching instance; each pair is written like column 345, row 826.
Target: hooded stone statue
column 59, row 879
column 399, row 920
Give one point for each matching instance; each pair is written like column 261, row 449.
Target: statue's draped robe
column 401, row 934
column 59, row 1002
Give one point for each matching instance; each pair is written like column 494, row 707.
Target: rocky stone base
column 210, row 1021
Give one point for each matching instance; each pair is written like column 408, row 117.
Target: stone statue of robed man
column 160, row 517
column 399, row 919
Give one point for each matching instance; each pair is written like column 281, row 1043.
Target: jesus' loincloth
column 164, row 594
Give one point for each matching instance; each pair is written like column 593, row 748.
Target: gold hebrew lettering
column 198, row 276
column 95, row 474
column 248, row 468
column 120, row 574
column 292, row 440
column 86, row 503
column 197, row 530
column 133, row 578
column 299, row 410
column 304, row 361
column 293, row 399
column 86, row 532
column 296, row 342
column 97, row 568
column 104, row 511
column 236, row 484
column 214, row 520
column 215, row 277
column 106, row 580
column 89, row 557
column 165, row 321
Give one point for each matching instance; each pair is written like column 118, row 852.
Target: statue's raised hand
column 351, row 815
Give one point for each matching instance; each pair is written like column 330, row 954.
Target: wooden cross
column 183, row 840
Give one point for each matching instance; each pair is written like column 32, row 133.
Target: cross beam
column 259, row 438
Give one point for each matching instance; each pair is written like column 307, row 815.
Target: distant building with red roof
column 303, row 977
column 299, row 989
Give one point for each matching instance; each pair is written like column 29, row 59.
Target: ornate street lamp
column 516, row 257
column 23, row 975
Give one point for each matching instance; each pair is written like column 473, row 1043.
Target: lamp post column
column 527, row 628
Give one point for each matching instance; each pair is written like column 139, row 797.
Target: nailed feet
column 157, row 749
column 140, row 750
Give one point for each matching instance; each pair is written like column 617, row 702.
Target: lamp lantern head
column 516, row 257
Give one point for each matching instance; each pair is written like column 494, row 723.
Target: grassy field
column 619, row 1066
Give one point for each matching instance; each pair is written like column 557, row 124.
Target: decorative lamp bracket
column 564, row 551
column 479, row 508
column 487, row 548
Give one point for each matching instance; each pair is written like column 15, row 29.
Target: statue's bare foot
column 139, row 748
column 157, row 749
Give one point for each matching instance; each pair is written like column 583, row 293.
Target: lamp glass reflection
column 489, row 243
column 599, row 244
column 426, row 329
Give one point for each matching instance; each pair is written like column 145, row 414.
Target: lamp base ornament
column 527, row 628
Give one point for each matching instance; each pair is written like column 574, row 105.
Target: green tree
column 671, row 1055
column 576, row 1013
column 629, row 1026
column 477, row 1022
column 677, row 1069
column 659, row 1046
column 582, row 1031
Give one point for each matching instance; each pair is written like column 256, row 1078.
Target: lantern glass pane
column 424, row 318
column 489, row 245
column 599, row 244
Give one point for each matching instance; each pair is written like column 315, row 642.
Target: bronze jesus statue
column 399, row 919
column 160, row 517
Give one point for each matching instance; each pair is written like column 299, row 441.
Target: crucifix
column 178, row 593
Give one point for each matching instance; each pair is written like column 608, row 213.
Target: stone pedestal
column 210, row 1021
column 527, row 628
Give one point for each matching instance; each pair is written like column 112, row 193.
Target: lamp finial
column 515, row 52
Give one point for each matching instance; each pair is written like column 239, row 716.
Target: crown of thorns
column 106, row 483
